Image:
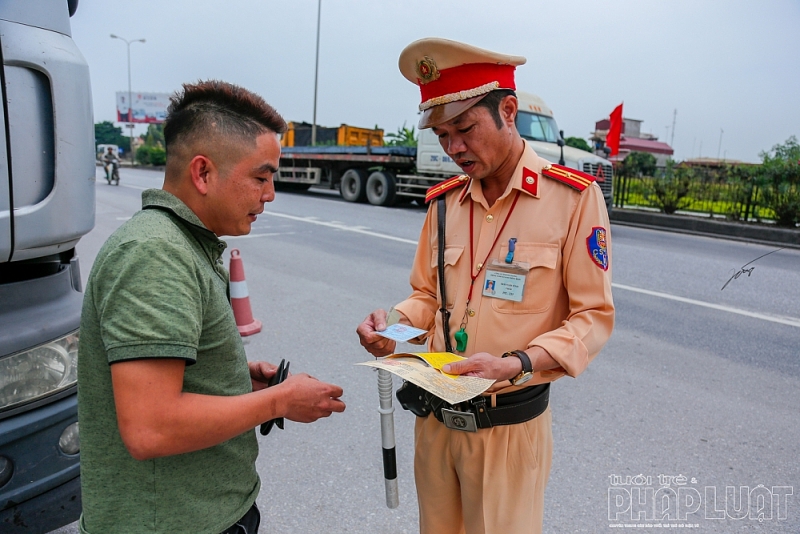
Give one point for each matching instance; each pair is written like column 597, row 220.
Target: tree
column 154, row 136
column 779, row 176
column 638, row 164
column 105, row 133
column 579, row 143
column 403, row 137
column 672, row 189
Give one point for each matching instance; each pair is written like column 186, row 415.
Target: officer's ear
column 508, row 110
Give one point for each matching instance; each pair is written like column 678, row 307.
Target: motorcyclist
column 110, row 159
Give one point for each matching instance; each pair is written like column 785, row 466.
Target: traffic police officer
column 539, row 233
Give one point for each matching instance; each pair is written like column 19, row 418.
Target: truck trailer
column 386, row 175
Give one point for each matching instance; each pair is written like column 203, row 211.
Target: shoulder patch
column 444, row 187
column 572, row 177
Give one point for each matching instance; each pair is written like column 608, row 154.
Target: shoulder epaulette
column 444, row 187
column 572, row 177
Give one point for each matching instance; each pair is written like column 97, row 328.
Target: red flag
column 614, row 130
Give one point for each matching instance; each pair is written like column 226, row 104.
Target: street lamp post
column 130, row 99
column 316, row 75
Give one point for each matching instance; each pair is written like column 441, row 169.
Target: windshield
column 537, row 127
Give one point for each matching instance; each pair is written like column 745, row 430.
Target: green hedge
column 151, row 155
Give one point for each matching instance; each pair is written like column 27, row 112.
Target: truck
column 47, row 200
column 386, row 175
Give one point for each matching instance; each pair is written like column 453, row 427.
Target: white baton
column 387, row 438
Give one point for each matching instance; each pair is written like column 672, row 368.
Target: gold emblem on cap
column 427, row 70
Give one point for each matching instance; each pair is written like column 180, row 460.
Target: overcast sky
column 729, row 65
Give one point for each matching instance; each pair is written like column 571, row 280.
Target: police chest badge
column 598, row 247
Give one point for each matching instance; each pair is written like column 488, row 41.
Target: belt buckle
column 463, row 421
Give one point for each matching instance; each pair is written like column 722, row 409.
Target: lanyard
column 461, row 335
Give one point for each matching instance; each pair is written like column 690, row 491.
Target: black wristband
column 527, row 367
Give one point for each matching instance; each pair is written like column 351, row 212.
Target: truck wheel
column 353, row 185
column 381, row 189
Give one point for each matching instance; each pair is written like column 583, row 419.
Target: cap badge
column 427, row 70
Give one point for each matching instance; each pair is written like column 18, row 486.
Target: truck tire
column 381, row 189
column 353, row 186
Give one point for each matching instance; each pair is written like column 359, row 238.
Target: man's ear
column 508, row 110
column 202, row 171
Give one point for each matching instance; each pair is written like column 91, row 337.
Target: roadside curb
column 687, row 224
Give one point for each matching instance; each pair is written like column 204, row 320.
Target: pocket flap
column 535, row 254
column 451, row 255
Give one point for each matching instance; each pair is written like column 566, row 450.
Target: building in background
column 632, row 140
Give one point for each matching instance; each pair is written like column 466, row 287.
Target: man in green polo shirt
column 166, row 398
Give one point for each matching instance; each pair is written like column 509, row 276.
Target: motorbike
column 112, row 171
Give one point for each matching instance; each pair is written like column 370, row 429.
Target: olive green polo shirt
column 158, row 289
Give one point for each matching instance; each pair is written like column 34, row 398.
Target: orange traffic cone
column 240, row 299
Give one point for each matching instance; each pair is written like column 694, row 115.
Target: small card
column 503, row 285
column 401, row 332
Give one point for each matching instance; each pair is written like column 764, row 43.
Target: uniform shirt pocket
column 542, row 282
column 452, row 255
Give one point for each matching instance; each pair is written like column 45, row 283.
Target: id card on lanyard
column 505, row 281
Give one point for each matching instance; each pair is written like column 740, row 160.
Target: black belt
column 509, row 409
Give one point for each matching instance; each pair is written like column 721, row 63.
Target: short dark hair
column 492, row 103
column 216, row 105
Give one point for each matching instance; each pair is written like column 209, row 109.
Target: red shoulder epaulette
column 444, row 187
column 572, row 177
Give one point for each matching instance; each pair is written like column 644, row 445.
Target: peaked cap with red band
column 453, row 77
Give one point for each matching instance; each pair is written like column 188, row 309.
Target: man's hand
column 306, row 399
column 484, row 365
column 261, row 373
column 375, row 344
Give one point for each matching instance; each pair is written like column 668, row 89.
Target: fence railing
column 702, row 195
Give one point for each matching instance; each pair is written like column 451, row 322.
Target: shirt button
column 489, row 218
column 471, row 313
column 479, row 266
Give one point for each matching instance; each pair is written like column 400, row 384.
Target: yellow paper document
column 424, row 370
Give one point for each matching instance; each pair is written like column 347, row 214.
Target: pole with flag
column 387, row 438
column 614, row 131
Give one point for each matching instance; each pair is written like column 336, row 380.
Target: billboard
column 148, row 108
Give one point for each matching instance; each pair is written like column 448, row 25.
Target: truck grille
column 606, row 174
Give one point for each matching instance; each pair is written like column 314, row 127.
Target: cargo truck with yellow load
column 363, row 169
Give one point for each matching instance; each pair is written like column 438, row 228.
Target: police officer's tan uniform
column 492, row 481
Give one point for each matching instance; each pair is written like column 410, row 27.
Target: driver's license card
column 401, row 332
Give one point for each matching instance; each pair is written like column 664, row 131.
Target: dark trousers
column 248, row 524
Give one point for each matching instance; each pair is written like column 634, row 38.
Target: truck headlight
column 38, row 372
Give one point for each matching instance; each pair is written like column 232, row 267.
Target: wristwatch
column 527, row 369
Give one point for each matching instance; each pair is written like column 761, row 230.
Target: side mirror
column 560, row 141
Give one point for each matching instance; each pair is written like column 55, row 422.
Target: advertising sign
column 148, row 108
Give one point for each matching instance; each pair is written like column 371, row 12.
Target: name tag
column 505, row 281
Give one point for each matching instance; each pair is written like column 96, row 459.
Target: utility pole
column 719, row 148
column 674, row 118
column 316, row 75
column 130, row 99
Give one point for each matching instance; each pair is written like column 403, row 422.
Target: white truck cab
column 537, row 126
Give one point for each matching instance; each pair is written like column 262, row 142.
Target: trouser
column 248, row 524
column 487, row 482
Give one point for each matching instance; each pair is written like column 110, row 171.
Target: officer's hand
column 484, row 365
column 375, row 344
column 305, row 399
column 260, row 373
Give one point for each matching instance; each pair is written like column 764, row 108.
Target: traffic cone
column 240, row 299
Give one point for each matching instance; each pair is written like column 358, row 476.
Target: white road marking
column 341, row 226
column 251, row 236
column 135, row 187
column 123, row 218
column 790, row 321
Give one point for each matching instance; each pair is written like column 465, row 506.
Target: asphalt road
column 694, row 398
